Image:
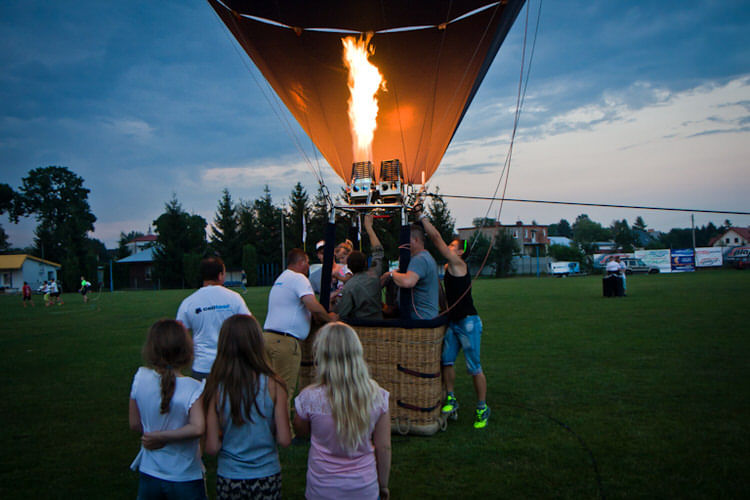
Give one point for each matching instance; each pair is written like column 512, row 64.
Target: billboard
column 683, row 261
column 658, row 258
column 708, row 257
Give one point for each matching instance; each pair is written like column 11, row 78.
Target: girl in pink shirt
column 346, row 415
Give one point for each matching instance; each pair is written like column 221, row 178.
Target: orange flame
column 364, row 82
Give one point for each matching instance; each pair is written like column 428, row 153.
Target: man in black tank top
column 464, row 326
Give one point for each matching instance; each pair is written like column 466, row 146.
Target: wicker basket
column 406, row 363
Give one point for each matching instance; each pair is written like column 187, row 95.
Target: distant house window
column 736, row 240
column 726, row 240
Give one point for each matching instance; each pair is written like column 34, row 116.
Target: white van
column 563, row 268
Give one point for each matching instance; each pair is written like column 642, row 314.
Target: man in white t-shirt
column 204, row 311
column 291, row 306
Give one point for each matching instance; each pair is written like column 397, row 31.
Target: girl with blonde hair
column 346, row 415
column 246, row 414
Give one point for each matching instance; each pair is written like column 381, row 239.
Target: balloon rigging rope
column 273, row 104
column 506, row 166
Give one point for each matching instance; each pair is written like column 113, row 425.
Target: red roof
column 148, row 237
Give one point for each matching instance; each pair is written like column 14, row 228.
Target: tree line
column 247, row 234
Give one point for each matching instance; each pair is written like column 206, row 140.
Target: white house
column 15, row 269
column 734, row 237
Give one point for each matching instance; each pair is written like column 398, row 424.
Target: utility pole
column 692, row 224
column 283, row 251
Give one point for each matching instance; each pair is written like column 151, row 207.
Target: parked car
column 633, row 265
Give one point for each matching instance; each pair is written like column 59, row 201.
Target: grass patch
column 653, row 384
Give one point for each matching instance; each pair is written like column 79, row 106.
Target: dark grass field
column 645, row 396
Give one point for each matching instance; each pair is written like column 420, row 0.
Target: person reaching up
column 464, row 326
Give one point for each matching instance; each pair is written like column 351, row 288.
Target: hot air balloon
column 431, row 56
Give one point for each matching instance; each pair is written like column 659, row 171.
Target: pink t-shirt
column 331, row 471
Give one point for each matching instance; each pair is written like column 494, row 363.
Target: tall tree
column 587, row 231
column 225, row 236
column 562, row 228
column 639, row 224
column 59, row 201
column 502, row 253
column 317, row 221
column 6, row 203
column 623, row 235
column 268, row 240
column 180, row 238
column 296, row 210
column 247, row 221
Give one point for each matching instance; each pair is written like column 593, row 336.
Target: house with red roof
column 733, row 237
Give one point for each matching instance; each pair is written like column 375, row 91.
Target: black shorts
column 27, row 297
column 55, row 294
column 85, row 290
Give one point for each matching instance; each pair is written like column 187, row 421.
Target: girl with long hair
column 246, row 414
column 346, row 414
column 166, row 408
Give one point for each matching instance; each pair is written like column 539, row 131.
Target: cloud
column 686, row 148
column 136, row 129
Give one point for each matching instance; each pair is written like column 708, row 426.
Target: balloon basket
column 405, row 360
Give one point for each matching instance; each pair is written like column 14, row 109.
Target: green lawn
column 652, row 388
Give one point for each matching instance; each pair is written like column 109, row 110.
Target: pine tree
column 295, row 212
column 225, row 239
column 268, row 239
column 247, row 231
column 316, row 222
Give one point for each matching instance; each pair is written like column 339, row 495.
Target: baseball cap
column 320, row 245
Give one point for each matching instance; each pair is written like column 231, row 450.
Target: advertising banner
column 683, row 261
column 658, row 258
column 601, row 259
column 708, row 257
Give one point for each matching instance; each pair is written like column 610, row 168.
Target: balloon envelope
column 433, row 61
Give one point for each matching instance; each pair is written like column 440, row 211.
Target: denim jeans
column 152, row 488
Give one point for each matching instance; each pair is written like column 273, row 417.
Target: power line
column 607, row 205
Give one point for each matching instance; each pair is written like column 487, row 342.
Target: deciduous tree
column 178, row 234
column 58, row 199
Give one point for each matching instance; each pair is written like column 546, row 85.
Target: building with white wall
column 15, row 269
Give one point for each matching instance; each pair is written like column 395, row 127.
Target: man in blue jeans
column 464, row 326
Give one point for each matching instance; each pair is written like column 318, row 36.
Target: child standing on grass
column 246, row 414
column 166, row 407
column 346, row 414
column 26, row 292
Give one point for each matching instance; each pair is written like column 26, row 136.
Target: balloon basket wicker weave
column 406, row 363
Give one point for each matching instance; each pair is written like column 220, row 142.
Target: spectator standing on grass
column 85, row 288
column 361, row 295
column 205, row 310
column 246, row 414
column 291, row 306
column 54, row 293
column 346, row 415
column 44, row 290
column 623, row 274
column 420, row 279
column 464, row 326
column 26, row 293
column 167, row 409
